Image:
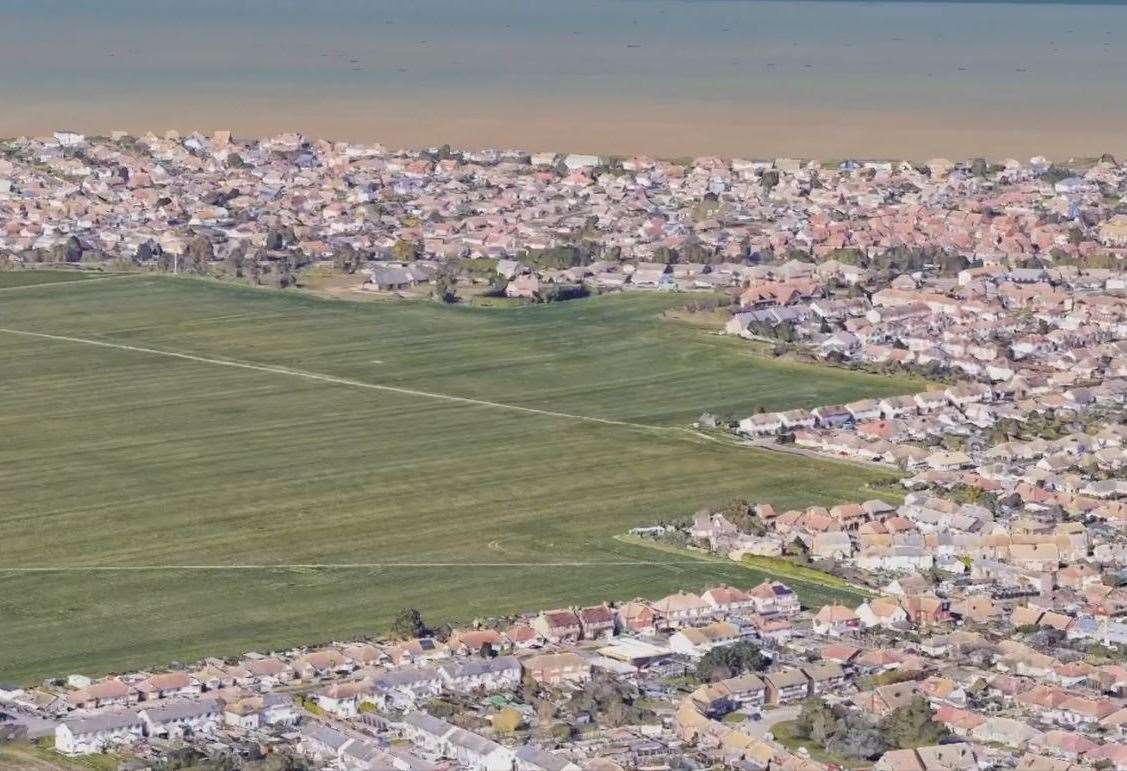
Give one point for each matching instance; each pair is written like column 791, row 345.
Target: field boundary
column 344, row 566
column 67, row 282
column 276, row 369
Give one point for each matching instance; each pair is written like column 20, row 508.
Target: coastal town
column 970, row 615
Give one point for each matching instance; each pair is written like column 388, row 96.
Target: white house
column 175, row 718
column 481, row 674
column 95, row 733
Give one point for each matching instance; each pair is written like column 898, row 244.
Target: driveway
column 760, row 728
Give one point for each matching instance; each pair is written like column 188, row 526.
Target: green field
column 121, row 458
column 21, row 278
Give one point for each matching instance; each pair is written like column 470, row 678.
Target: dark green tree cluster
column 409, row 624
column 608, row 702
column 839, row 731
column 730, row 661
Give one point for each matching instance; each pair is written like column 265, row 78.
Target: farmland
column 302, row 462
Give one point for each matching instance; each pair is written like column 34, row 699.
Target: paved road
column 759, row 728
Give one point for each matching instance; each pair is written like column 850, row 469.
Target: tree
column 199, row 255
column 912, row 725
column 409, row 624
column 405, row 250
column 731, row 660
column 346, row 259
column 816, row 721
column 445, row 288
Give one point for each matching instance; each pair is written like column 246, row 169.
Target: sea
column 752, row 78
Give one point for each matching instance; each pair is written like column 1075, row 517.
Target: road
column 758, row 729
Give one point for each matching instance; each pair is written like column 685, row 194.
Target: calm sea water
column 663, row 76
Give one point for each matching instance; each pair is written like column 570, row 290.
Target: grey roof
column 329, row 737
column 542, row 758
column 475, row 667
column 479, row 745
column 406, row 677
column 103, row 721
column 427, row 723
column 166, row 711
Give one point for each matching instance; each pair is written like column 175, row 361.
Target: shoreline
column 686, row 130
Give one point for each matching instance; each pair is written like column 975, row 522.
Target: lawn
column 814, row 587
column 21, row 278
column 124, row 458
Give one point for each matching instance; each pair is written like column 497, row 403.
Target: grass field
column 21, row 278
column 117, row 458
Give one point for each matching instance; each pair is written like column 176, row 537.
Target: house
column 761, row 425
column 826, row 677
column 959, row 756
column 269, row 671
column 96, row 733
column 637, row 617
column 596, row 621
column 344, row 699
column 836, row 620
column 773, row 598
column 558, row 625
column 786, row 686
column 696, row 641
column 881, row 611
column 476, row 752
column 175, row 718
column 833, row 416
column 481, row 674
column 478, row 641
column 112, row 692
column 681, row 608
column 260, row 711
column 527, row 286
column 323, row 663
column 529, row 758
column 389, row 279
column 727, row 599
column 865, row 409
column 557, row 668
column 167, row 686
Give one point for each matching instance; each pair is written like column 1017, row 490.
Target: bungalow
column 526, row 286
column 323, row 663
column 881, row 611
column 761, row 425
column 696, row 641
column 112, row 692
column 898, row 407
column 865, row 409
column 269, row 671
column 388, row 279
column 557, row 668
column 797, row 419
column 259, row 711
column 96, row 733
column 836, row 620
column 166, row 686
column 930, row 401
column 832, row 416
